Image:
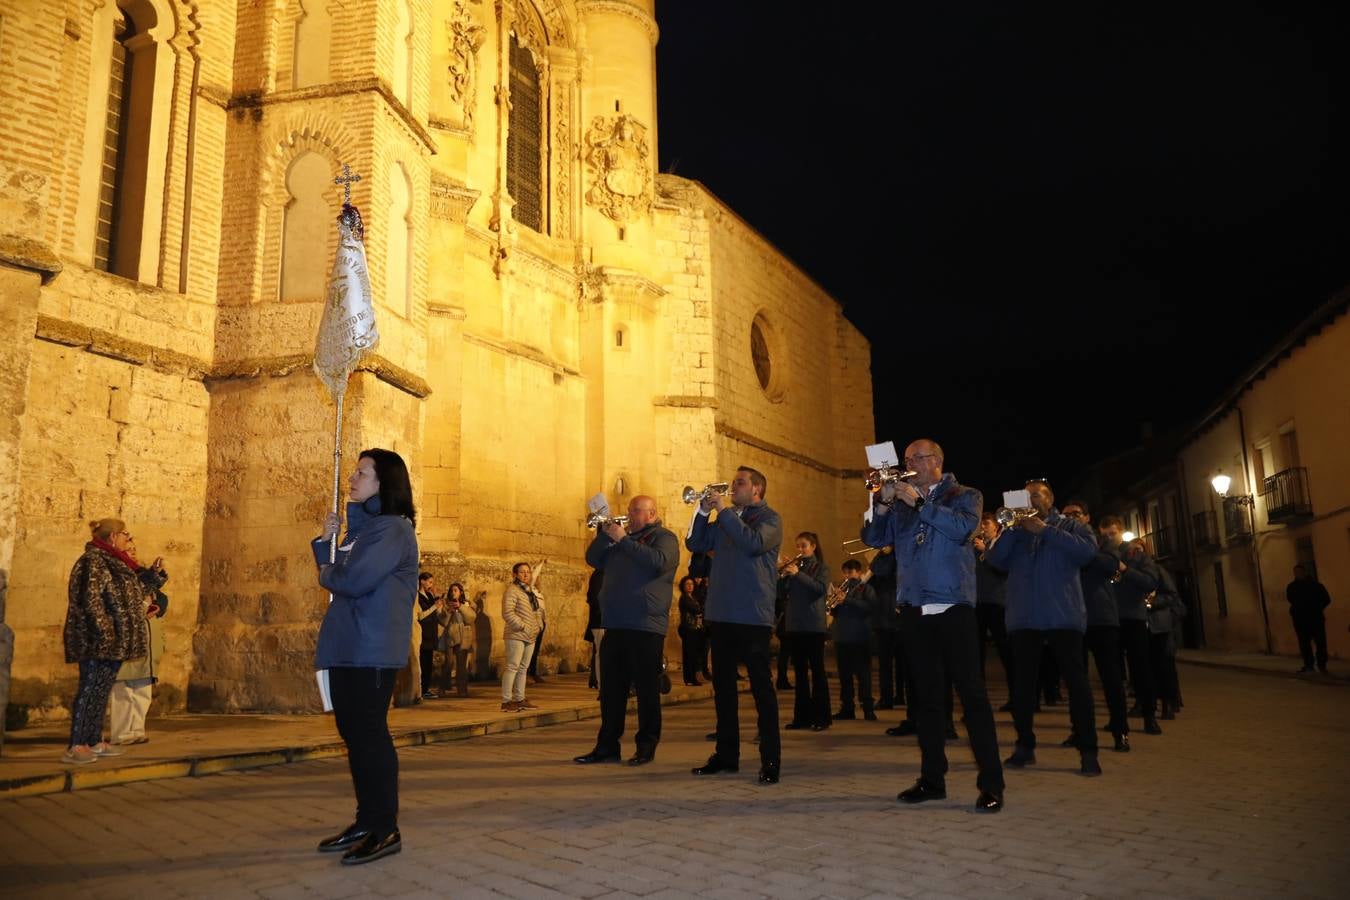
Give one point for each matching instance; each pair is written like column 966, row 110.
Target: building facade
column 557, row 317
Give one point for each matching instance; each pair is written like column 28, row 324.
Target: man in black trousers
column 639, row 560
column 739, row 615
column 929, row 520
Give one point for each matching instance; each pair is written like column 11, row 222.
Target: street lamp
column 1221, row 483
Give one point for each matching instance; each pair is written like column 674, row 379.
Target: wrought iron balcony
column 1237, row 521
column 1286, row 496
column 1205, row 530
column 1165, row 543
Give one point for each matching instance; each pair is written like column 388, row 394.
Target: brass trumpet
column 597, row 520
column 875, row 479
column 692, row 495
column 1008, row 516
column 796, row 560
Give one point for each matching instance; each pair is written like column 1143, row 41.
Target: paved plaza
column 1246, row 795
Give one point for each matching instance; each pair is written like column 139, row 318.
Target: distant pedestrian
column 1307, row 601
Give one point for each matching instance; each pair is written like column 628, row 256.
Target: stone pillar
column 25, row 266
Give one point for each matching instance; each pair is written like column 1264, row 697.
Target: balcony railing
column 1205, row 530
column 1286, row 496
column 1236, row 521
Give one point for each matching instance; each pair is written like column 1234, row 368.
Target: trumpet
column 875, row 479
column 1008, row 516
column 599, row 520
column 834, row 595
column 692, row 495
column 795, row 561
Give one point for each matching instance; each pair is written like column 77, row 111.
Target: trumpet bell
column 689, row 495
column 1006, row 516
column 876, row 479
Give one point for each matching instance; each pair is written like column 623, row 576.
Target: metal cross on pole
column 346, row 179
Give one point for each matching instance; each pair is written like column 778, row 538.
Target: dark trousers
column 1134, row 637
column 937, row 647
column 890, row 668
column 1067, row 648
column 533, row 670
column 91, row 700
column 990, row 619
column 855, row 664
column 1310, row 632
column 361, row 710
column 693, row 652
column 811, row 705
column 458, row 657
column 732, row 644
column 1163, row 655
column 426, row 656
column 630, row 659
column 784, row 655
column 1049, row 677
column 1104, row 643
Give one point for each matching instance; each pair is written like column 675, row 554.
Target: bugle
column 1007, row 516
column 599, row 520
column 875, row 479
column 691, row 495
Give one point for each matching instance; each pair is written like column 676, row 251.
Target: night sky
column 1049, row 220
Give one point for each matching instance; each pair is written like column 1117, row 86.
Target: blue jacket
column 1044, row 591
column 806, row 599
column 853, row 616
column 744, row 574
column 639, row 570
column 941, row 568
column 374, row 585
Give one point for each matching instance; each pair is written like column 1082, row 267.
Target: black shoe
column 641, row 758
column 1090, row 767
column 1122, row 744
column 1106, row 727
column 783, row 686
column 373, row 848
column 922, row 791
column 904, row 729
column 869, row 715
column 596, row 756
column 1020, row 758
column 1007, row 707
column 1151, row 726
column 768, row 773
column 849, row 715
column 1305, row 670
column 989, row 802
column 353, row 835
column 951, row 732
column 885, row 706
column 796, row 726
column 1070, row 741
column 1169, row 712
column 820, row 726
column 715, row 765
column 710, row 736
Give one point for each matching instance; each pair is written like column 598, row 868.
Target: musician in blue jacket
column 929, row 520
column 1043, row 556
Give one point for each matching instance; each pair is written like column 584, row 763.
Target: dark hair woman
column 105, row 624
column 458, row 617
column 807, row 579
column 692, row 633
column 363, row 641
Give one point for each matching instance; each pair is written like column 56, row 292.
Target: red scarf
column 120, row 554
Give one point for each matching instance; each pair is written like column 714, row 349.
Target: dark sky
column 1053, row 222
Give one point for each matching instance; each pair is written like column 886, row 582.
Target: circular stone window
column 763, row 350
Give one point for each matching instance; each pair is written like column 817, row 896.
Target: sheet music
column 1017, row 499
column 880, row 456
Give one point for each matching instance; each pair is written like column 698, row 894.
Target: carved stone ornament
column 619, row 162
column 466, row 38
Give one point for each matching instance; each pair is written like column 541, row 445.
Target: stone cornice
column 26, row 253
column 619, row 7
column 451, row 201
column 339, row 89
column 520, row 351
column 171, row 362
column 686, row 401
column 800, row 458
column 458, row 313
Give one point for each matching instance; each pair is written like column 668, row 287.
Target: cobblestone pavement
column 1246, row 795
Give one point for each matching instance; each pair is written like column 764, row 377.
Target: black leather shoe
column 641, row 758
column 820, row 726
column 783, row 686
column 922, row 791
column 951, row 733
column 1122, row 744
column 596, row 756
column 989, row 802
column 1020, row 757
column 796, row 726
column 850, row 714
column 869, row 715
column 345, row 840
column 1007, row 707
column 710, row 736
column 373, row 848
column 905, row 728
column 1151, row 726
column 715, row 765
column 1070, row 741
column 1168, row 712
column 1090, row 767
column 768, row 773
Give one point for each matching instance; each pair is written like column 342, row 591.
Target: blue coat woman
column 363, row 641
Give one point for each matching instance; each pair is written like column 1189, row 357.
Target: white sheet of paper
column 599, row 504
column 1016, row 499
column 325, row 692
column 882, row 455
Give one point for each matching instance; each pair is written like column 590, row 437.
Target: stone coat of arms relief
column 619, row 160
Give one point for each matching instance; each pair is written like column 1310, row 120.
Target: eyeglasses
column 911, row 460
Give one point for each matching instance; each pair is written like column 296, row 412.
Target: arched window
column 313, row 40
column 114, row 147
column 524, row 139
column 403, row 53
column 306, row 228
column 398, row 260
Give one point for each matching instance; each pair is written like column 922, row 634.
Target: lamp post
column 1221, row 483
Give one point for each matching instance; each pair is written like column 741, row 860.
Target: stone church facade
column 557, row 317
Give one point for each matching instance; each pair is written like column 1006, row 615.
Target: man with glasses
column 929, row 520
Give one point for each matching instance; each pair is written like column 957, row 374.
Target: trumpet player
column 806, row 579
column 1043, row 555
column 852, row 611
column 639, row 560
column 746, row 536
column 928, row 519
